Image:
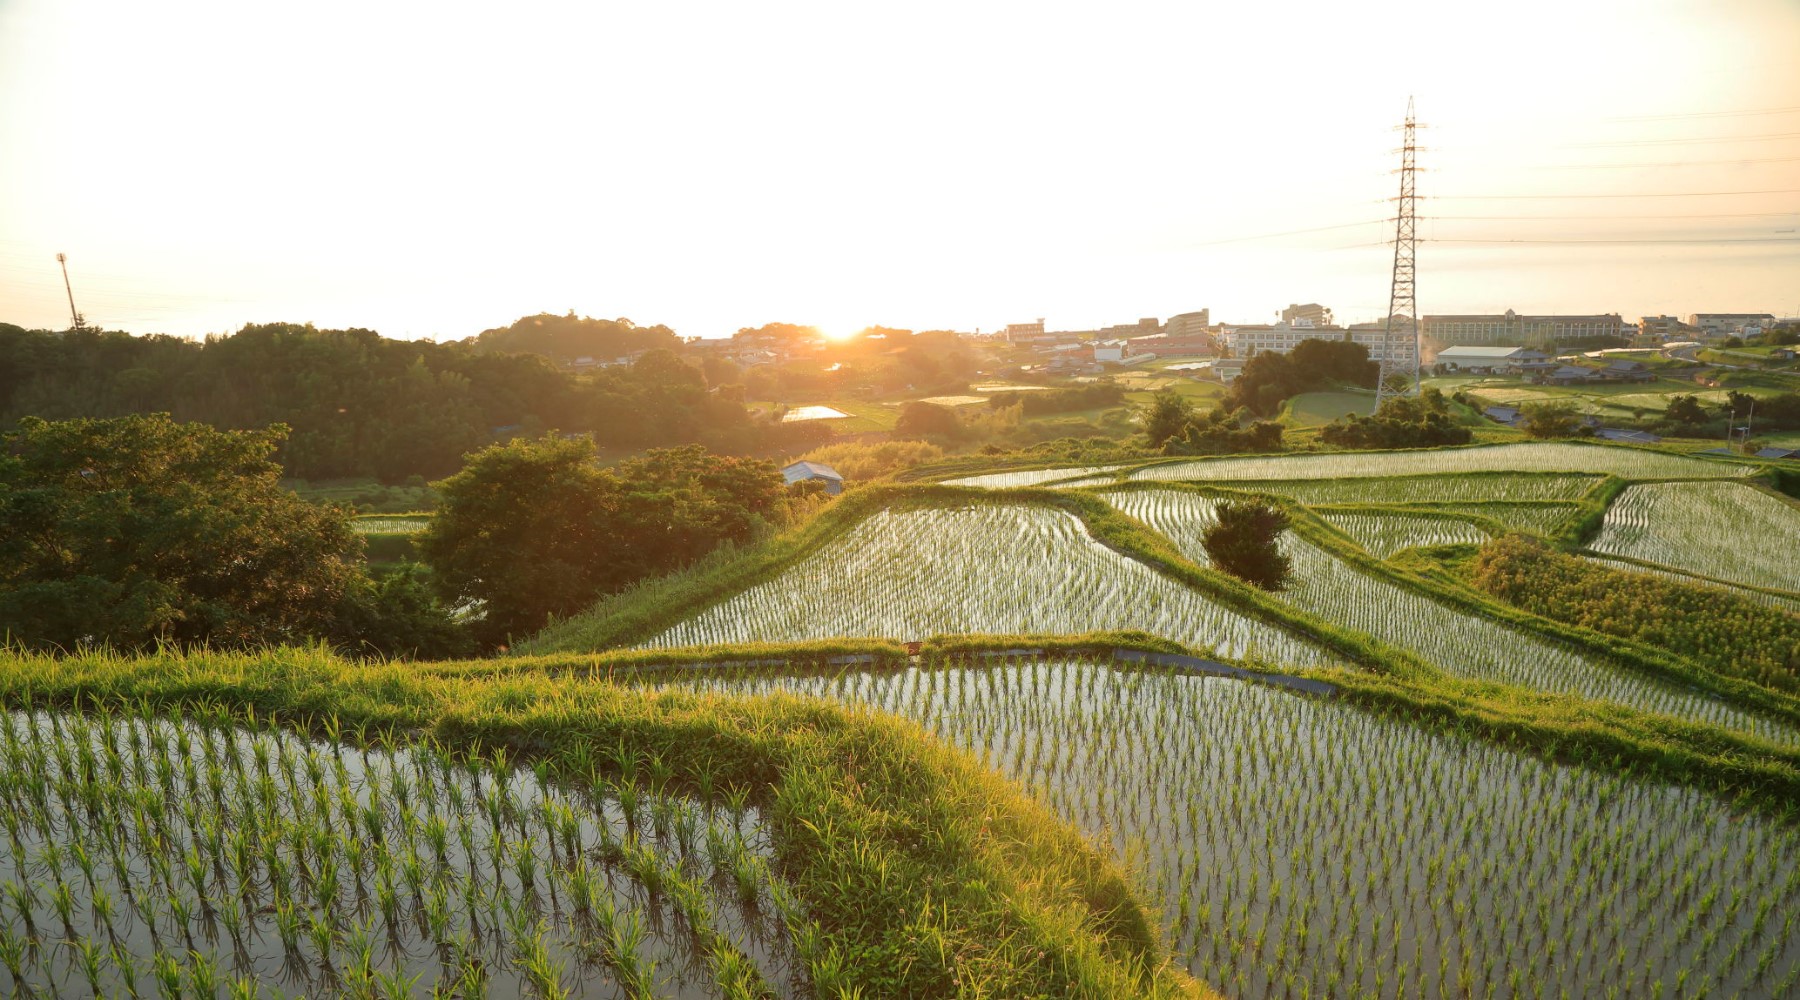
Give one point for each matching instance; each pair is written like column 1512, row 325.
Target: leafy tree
column 1553, row 420
column 1222, row 433
column 1270, row 379
column 534, row 528
column 139, row 530
column 1245, row 542
column 399, row 615
column 565, row 338
column 1685, row 409
column 920, row 420
column 1167, row 417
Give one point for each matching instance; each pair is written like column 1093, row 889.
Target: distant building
column 801, row 472
column 1311, row 312
column 1188, row 324
column 1726, row 324
column 1025, row 333
column 1247, row 340
column 1570, row 375
column 1165, row 345
column 1662, row 328
column 1512, row 328
column 1486, row 360
column 1142, row 328
column 1228, row 369
column 1110, row 350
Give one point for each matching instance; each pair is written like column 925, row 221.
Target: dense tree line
column 1732, row 635
column 1042, row 402
column 1422, row 421
column 138, row 531
column 359, row 404
column 1173, row 426
column 566, row 338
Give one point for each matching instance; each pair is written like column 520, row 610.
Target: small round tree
column 1245, row 543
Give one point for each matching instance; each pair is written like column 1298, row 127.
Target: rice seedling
column 393, row 883
column 1004, row 569
column 1454, row 640
column 1726, row 531
column 1437, row 489
column 1029, row 477
column 1760, row 596
column 1302, row 847
column 1385, row 533
column 390, row 524
column 1540, row 517
column 1549, row 456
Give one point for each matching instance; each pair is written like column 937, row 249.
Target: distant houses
column 1487, row 360
column 801, row 472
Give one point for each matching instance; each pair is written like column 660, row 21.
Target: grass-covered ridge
column 920, row 872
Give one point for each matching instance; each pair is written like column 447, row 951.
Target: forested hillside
column 360, row 404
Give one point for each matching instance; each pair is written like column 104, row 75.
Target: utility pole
column 1400, row 344
column 76, row 320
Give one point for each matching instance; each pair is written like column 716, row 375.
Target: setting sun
column 838, row 332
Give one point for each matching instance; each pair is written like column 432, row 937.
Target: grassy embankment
column 1389, row 679
column 922, row 873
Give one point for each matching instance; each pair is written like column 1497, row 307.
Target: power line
column 1619, row 218
column 1766, row 137
column 1795, row 109
column 1663, row 163
column 1292, row 232
column 1637, row 242
column 1659, row 194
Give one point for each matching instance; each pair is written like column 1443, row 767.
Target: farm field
column 1760, row 596
column 1311, row 409
column 1456, row 641
column 1519, row 457
column 1435, row 489
column 389, row 524
column 986, row 568
column 1383, row 534
column 1728, row 531
column 1301, row 847
column 151, row 857
column 1541, row 517
column 1029, row 477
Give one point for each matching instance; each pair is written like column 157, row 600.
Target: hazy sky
column 434, row 169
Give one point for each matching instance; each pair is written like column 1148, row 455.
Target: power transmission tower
column 1400, row 345
column 76, row 320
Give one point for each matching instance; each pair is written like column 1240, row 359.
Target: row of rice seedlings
column 1730, row 531
column 1302, row 847
column 1760, row 596
column 1383, row 533
column 1549, row 456
column 145, row 857
column 996, row 569
column 388, row 524
column 1028, row 477
column 1425, row 489
column 1454, row 640
column 1539, row 517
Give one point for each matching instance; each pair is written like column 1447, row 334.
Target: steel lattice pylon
column 1400, row 344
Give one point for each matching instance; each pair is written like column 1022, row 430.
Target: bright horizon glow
column 439, row 169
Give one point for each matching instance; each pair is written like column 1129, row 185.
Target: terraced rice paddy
column 987, row 568
column 1300, row 847
column 1424, row 489
column 145, row 857
column 1729, row 531
column 1761, row 597
column 1453, row 640
column 1384, row 534
column 388, row 524
column 1630, row 463
column 1542, row 518
column 1028, row 477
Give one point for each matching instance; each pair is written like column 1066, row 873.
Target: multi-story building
column 1247, row 340
column 1310, row 312
column 1188, row 324
column 1026, row 333
column 1512, row 328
